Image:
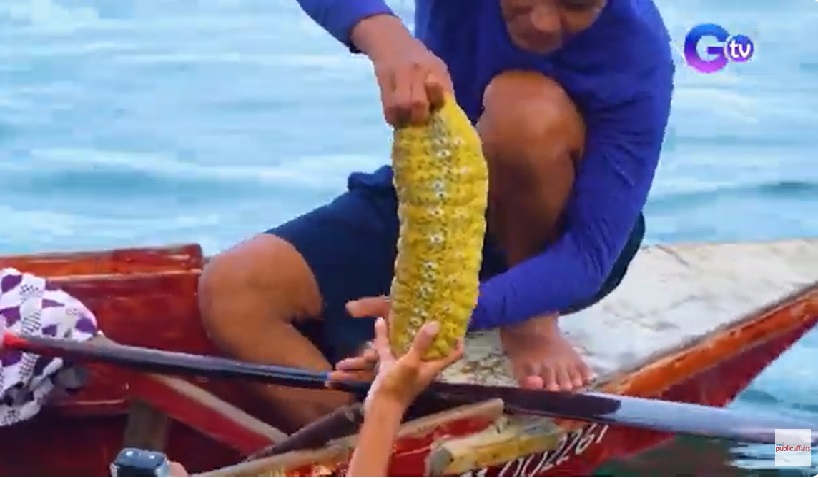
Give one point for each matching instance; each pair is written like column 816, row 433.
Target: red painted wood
column 717, row 386
column 207, row 421
column 147, row 297
column 55, row 445
column 185, row 257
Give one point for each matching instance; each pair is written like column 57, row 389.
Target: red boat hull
column 147, row 297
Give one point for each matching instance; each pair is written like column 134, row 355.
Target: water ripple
column 148, row 122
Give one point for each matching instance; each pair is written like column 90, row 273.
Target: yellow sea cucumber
column 441, row 179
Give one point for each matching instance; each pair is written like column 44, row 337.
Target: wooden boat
column 692, row 323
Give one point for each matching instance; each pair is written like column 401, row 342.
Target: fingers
column 368, row 307
column 406, row 100
column 419, row 106
column 409, row 102
column 436, row 90
column 455, row 355
column 398, row 108
column 423, row 339
column 386, row 85
column 364, row 360
column 442, row 76
column 438, row 84
column 360, row 368
column 409, row 93
column 338, row 376
column 381, row 342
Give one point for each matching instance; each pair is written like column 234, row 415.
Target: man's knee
column 529, row 120
column 262, row 279
column 533, row 136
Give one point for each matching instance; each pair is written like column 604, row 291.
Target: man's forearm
column 368, row 26
column 378, row 35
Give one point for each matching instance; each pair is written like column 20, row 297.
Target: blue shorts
column 351, row 245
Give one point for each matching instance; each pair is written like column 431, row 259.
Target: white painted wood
column 672, row 296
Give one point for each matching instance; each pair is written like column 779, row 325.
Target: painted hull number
column 571, row 445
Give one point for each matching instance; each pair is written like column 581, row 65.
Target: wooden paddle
column 161, row 361
column 652, row 414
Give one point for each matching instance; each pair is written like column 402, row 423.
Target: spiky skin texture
column 441, row 179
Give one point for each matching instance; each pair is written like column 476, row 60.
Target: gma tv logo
column 722, row 48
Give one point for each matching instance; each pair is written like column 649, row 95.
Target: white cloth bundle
column 31, row 305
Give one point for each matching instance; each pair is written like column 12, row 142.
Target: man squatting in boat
column 32, row 305
column 571, row 99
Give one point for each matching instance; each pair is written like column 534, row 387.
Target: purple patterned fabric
column 33, row 306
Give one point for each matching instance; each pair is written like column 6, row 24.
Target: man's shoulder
column 628, row 34
column 649, row 34
column 644, row 15
column 626, row 54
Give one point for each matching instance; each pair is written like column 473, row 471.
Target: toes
column 578, row 378
column 582, row 374
column 587, row 374
column 177, row 469
column 549, row 378
column 520, row 374
column 564, row 377
column 533, row 382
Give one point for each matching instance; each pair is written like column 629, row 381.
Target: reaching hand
column 362, row 367
column 399, row 380
column 402, row 380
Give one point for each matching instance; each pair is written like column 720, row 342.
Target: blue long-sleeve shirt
column 619, row 72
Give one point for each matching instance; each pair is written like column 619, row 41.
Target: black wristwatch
column 136, row 462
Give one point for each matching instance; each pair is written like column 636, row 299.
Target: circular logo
column 739, row 48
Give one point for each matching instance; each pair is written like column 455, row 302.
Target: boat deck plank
column 671, row 297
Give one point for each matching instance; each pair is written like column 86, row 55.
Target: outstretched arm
column 376, row 438
column 622, row 153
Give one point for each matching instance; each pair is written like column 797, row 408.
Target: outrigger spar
column 653, row 414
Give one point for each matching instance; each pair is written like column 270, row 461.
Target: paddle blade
column 652, row 414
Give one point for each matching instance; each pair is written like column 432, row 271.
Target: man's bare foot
column 542, row 357
column 176, row 469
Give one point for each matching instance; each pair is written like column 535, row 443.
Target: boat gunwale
column 777, row 312
column 621, row 383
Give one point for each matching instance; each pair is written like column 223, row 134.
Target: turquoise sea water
column 156, row 121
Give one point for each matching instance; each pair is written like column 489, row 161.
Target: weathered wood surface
column 672, row 296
